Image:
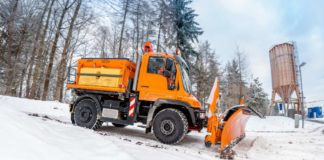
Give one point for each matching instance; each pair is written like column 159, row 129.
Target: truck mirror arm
column 168, row 64
column 167, row 73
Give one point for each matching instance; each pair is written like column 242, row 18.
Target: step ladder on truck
column 155, row 91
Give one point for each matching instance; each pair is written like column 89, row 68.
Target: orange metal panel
column 127, row 72
column 234, row 128
column 97, row 88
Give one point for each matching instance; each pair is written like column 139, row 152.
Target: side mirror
column 166, row 73
column 168, row 64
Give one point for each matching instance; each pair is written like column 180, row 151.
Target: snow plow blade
column 234, row 127
column 234, row 123
column 235, row 120
column 229, row 127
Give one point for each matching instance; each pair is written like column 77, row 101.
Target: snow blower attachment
column 228, row 128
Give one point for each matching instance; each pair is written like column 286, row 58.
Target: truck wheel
column 72, row 118
column 85, row 114
column 170, row 126
column 119, row 125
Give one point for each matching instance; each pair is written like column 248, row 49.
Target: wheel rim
column 86, row 114
column 167, row 127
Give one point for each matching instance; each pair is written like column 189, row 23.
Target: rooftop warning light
column 148, row 47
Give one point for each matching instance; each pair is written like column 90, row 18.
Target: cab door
column 153, row 84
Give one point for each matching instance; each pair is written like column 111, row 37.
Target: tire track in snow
column 45, row 117
column 136, row 136
column 316, row 129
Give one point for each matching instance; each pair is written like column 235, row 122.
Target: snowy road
column 42, row 130
column 319, row 120
column 275, row 138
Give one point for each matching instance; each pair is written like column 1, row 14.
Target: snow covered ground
column 320, row 120
column 275, row 138
column 35, row 130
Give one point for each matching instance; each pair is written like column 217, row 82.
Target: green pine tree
column 257, row 98
column 186, row 29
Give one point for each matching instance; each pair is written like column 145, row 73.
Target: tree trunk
column 21, row 82
column 38, row 58
column 62, row 65
column 52, row 53
column 159, row 33
column 41, row 79
column 133, row 45
column 114, row 45
column 14, row 81
column 23, row 75
column 10, row 27
column 122, row 29
column 35, row 45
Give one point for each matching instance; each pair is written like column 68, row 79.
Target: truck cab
column 155, row 91
column 165, row 76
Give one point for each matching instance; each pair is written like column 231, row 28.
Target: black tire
column 119, row 125
column 86, row 114
column 170, row 126
column 72, row 118
column 208, row 144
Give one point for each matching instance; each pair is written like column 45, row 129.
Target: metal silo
column 283, row 61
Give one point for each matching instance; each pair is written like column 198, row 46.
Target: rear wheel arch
column 88, row 96
column 183, row 109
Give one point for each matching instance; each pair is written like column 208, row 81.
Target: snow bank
column 35, row 130
column 27, row 136
column 32, row 129
column 276, row 123
column 276, row 138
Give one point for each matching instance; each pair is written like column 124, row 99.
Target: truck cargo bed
column 112, row 75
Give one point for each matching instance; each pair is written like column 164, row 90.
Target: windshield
column 184, row 70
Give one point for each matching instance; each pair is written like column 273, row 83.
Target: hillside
column 33, row 129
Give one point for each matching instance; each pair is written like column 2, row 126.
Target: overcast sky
column 257, row 25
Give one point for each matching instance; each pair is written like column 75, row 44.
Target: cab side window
column 171, row 79
column 174, row 70
column 156, row 65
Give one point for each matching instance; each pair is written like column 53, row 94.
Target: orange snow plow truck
column 155, row 91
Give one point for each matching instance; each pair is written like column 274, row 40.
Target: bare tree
column 63, row 62
column 102, row 37
column 235, row 84
column 35, row 45
column 123, row 28
column 241, row 61
column 38, row 55
column 53, row 50
column 10, row 34
column 39, row 40
column 204, row 71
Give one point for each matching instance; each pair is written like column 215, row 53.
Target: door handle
column 145, row 86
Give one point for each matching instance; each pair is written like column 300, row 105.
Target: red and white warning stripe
column 131, row 107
